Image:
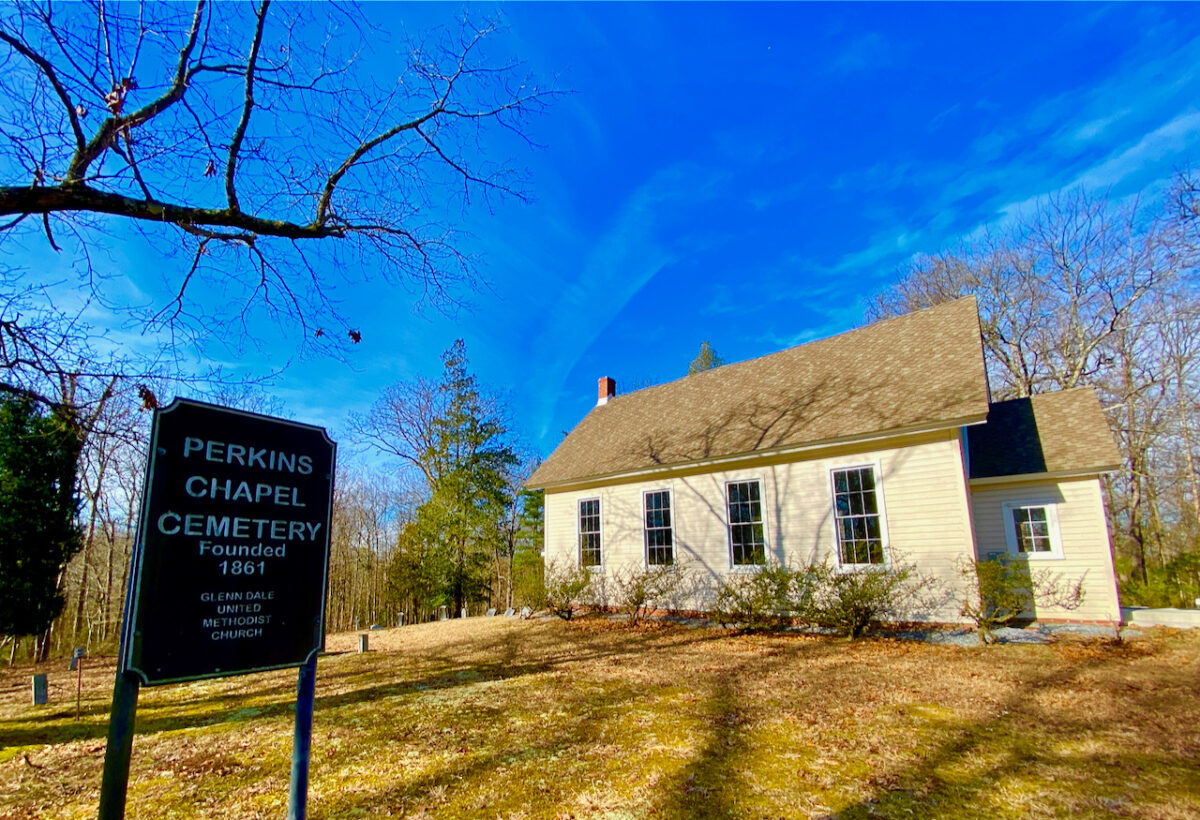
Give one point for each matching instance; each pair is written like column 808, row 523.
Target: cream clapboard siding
column 1085, row 539
column 922, row 487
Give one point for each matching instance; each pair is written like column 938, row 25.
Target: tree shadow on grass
column 709, row 786
column 575, row 742
column 461, row 773
column 1004, row 746
column 515, row 656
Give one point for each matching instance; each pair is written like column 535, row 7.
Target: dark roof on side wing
column 923, row 369
column 1064, row 432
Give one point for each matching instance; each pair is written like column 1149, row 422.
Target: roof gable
column 922, row 369
column 1046, row 433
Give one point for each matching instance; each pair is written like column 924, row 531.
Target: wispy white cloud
column 1143, row 108
column 628, row 255
column 882, row 253
column 835, row 318
column 867, row 51
column 1094, row 128
column 1175, row 139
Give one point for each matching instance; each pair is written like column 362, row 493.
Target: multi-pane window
column 660, row 539
column 746, row 541
column 1031, row 526
column 856, row 516
column 589, row 532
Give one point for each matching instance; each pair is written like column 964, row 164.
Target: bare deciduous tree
column 251, row 148
column 1084, row 292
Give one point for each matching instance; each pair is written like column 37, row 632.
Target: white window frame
column 579, row 531
column 1010, row 529
column 762, row 506
column 646, row 530
column 880, row 502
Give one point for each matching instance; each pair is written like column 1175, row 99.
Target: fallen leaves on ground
column 500, row 717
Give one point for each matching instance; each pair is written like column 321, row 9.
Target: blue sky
column 751, row 174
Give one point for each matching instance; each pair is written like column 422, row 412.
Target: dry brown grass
column 544, row 719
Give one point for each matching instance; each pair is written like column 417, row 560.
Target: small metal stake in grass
column 77, row 662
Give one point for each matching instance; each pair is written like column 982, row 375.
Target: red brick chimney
column 607, row 389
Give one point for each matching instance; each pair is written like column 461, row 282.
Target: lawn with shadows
column 497, row 717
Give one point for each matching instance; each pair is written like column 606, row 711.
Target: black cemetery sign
column 231, row 562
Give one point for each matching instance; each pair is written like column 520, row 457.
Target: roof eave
column 731, row 461
column 1048, row 475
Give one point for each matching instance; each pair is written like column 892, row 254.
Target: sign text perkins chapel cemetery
column 232, row 562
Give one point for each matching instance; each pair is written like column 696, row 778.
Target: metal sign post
column 302, row 740
column 230, row 567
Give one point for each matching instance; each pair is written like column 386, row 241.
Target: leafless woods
column 1086, row 291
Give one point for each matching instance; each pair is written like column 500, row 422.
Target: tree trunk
column 1185, row 429
column 85, row 558
column 42, row 645
column 460, row 569
column 111, row 535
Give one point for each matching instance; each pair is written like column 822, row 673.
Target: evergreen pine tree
column 38, row 529
column 468, row 457
column 706, row 359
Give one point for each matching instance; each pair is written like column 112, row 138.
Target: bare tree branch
column 239, row 133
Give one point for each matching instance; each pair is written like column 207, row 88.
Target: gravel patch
column 962, row 636
column 1043, row 633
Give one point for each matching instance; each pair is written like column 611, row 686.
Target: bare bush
column 568, row 586
column 639, row 591
column 1000, row 590
column 852, row 600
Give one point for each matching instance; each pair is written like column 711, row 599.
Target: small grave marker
column 463, row 614
column 39, row 690
column 510, row 612
column 491, row 612
column 362, row 643
column 400, row 620
column 526, row 612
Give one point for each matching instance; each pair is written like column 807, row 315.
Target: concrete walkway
column 1176, row 618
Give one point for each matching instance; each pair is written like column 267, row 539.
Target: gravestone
column 443, row 613
column 39, row 690
column 526, row 612
column 362, row 643
column 510, row 612
column 491, row 612
column 400, row 620
column 464, row 613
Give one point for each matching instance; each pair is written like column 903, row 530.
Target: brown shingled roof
column 921, row 369
column 1048, row 433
